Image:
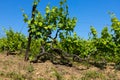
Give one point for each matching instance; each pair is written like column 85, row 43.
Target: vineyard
column 52, row 38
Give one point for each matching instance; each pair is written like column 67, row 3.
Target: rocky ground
column 13, row 67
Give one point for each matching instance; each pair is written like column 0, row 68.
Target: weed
column 2, row 73
column 30, row 68
column 73, row 78
column 58, row 75
column 41, row 79
column 93, row 75
column 112, row 76
column 15, row 76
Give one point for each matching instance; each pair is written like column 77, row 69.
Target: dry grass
column 13, row 67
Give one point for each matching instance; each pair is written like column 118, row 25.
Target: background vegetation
column 57, row 21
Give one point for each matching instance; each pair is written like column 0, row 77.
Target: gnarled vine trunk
column 30, row 37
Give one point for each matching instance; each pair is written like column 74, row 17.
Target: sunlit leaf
column 47, row 9
column 40, row 23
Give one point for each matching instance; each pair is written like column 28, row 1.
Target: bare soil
column 13, row 67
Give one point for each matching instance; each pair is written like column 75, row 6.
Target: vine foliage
column 56, row 21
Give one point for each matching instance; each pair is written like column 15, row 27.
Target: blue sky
column 88, row 12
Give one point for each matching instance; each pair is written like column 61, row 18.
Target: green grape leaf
column 47, row 9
